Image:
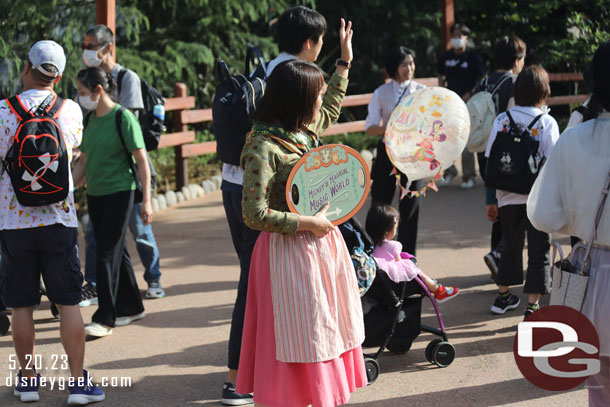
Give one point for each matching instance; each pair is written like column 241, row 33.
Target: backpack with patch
column 360, row 247
column 512, row 164
column 234, row 104
column 482, row 109
column 151, row 117
column 37, row 161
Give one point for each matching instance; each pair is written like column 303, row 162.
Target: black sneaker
column 530, row 309
column 88, row 295
column 492, row 260
column 503, row 304
column 231, row 398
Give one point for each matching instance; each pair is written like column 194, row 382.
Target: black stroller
column 392, row 312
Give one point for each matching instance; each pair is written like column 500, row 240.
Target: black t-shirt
column 461, row 70
column 503, row 93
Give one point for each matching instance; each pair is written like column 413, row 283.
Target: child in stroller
column 382, row 225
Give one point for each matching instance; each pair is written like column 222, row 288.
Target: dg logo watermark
column 557, row 348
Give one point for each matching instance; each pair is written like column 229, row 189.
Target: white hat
column 48, row 52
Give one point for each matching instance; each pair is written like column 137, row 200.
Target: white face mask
column 87, row 102
column 91, row 59
column 458, row 43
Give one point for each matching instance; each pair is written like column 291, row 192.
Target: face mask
column 87, row 102
column 91, row 59
column 458, row 43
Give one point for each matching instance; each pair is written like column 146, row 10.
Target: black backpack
column 234, row 104
column 37, row 161
column 512, row 165
column 150, row 121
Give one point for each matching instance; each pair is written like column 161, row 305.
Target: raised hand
column 345, row 40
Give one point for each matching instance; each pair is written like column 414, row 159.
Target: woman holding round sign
column 400, row 66
column 303, row 326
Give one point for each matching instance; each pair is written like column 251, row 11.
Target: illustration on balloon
column 426, row 133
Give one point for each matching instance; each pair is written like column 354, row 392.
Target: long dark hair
column 601, row 82
column 91, row 77
column 290, row 98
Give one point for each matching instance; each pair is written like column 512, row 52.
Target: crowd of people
column 297, row 324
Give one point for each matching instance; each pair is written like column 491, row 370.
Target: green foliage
column 166, row 41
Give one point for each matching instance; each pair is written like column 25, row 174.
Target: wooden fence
column 183, row 139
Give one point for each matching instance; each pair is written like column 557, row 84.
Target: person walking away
column 509, row 60
column 531, row 92
column 42, row 240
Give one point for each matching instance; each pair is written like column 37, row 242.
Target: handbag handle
column 598, row 216
column 557, row 248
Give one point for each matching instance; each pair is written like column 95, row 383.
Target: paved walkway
column 176, row 356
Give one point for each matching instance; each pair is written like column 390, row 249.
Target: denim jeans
column 146, row 246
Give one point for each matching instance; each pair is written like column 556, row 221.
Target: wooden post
column 106, row 14
column 182, row 168
column 447, row 20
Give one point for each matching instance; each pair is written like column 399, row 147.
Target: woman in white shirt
column 530, row 93
column 564, row 200
column 400, row 66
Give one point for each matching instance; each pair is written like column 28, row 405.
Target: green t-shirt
column 107, row 168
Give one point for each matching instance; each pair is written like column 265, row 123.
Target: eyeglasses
column 92, row 46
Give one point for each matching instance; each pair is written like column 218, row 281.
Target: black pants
column 382, row 191
column 497, row 244
column 117, row 289
column 515, row 225
column 244, row 239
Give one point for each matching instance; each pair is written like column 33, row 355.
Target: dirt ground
column 176, row 356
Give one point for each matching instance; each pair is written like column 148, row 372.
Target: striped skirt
column 303, row 325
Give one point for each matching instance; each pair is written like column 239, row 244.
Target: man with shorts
column 42, row 240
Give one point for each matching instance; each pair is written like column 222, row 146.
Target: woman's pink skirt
column 274, row 383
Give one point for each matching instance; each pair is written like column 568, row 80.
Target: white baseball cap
column 48, row 52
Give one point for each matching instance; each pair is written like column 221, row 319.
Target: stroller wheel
column 5, row 323
column 430, row 349
column 54, row 311
column 372, row 369
column 443, row 354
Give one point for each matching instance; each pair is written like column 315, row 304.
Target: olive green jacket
column 268, row 157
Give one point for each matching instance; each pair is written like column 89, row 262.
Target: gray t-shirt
column 131, row 91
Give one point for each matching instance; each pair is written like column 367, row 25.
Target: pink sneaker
column 443, row 293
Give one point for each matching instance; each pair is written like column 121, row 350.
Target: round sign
column 427, row 132
column 332, row 173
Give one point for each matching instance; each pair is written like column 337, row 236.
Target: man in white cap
column 42, row 240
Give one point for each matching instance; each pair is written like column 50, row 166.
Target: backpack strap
column 87, row 117
column 119, row 129
column 18, row 109
column 119, row 79
column 55, row 107
column 510, row 119
column 534, row 121
column 500, row 83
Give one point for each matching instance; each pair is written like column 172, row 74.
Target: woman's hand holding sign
column 318, row 224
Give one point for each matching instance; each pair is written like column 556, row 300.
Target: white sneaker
column 446, row 180
column 122, row 321
column 467, row 184
column 155, row 291
column 97, row 330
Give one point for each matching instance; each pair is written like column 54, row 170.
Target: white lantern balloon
column 427, row 132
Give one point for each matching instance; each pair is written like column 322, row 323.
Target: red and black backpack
column 37, row 160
